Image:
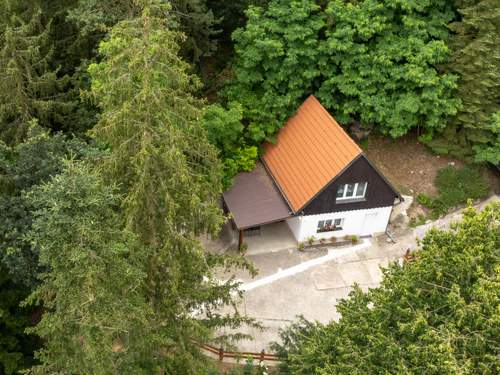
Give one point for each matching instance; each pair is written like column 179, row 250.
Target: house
column 316, row 179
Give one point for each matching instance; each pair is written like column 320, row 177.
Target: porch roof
column 255, row 200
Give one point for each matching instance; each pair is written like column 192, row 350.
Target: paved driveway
column 277, row 296
column 314, row 292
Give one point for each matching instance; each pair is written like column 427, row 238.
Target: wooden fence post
column 221, row 354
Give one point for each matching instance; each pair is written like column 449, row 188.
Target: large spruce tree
column 30, row 89
column 169, row 176
column 95, row 318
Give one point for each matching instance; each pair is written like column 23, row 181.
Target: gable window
column 329, row 225
column 349, row 192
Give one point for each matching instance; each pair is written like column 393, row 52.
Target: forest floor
column 410, row 166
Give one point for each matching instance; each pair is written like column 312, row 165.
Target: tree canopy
column 112, row 162
column 475, row 132
column 96, row 318
column 152, row 125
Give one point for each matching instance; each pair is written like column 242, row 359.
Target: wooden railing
column 221, row 353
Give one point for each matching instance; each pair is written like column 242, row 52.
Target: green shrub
column 416, row 221
column 301, row 246
column 244, row 247
column 311, row 240
column 424, row 199
column 454, row 187
column 354, row 239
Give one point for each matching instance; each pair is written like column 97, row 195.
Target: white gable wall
column 358, row 222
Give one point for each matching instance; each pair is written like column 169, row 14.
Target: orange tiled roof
column 311, row 149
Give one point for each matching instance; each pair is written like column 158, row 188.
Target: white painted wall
column 359, row 222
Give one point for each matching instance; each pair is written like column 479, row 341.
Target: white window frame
column 333, row 224
column 354, row 196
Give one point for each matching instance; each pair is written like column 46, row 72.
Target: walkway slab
column 302, row 267
column 328, row 277
column 355, row 272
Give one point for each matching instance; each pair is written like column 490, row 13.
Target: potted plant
column 322, row 241
column 354, row 239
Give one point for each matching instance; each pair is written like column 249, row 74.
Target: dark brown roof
column 254, row 199
column 311, row 149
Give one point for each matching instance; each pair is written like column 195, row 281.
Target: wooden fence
column 221, row 354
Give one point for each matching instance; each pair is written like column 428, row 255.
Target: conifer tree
column 29, row 88
column 475, row 132
column 192, row 17
column 169, row 177
column 95, row 317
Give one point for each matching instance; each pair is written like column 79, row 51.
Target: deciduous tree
column 278, row 62
column 382, row 65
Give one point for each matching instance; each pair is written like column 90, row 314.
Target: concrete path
column 304, row 266
column 311, row 283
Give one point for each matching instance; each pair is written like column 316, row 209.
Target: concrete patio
column 272, row 238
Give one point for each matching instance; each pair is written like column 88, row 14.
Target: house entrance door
column 369, row 223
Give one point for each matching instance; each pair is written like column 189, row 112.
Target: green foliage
column 367, row 61
column 278, row 59
column 96, row 316
column 170, row 180
column 435, row 315
column 381, row 64
column 225, row 131
column 354, row 239
column 21, row 168
column 475, row 132
column 416, row 221
column 311, row 239
column 454, row 187
column 30, row 89
column 232, row 14
column 191, row 17
column 16, row 349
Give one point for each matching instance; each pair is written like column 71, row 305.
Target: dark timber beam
column 240, row 240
